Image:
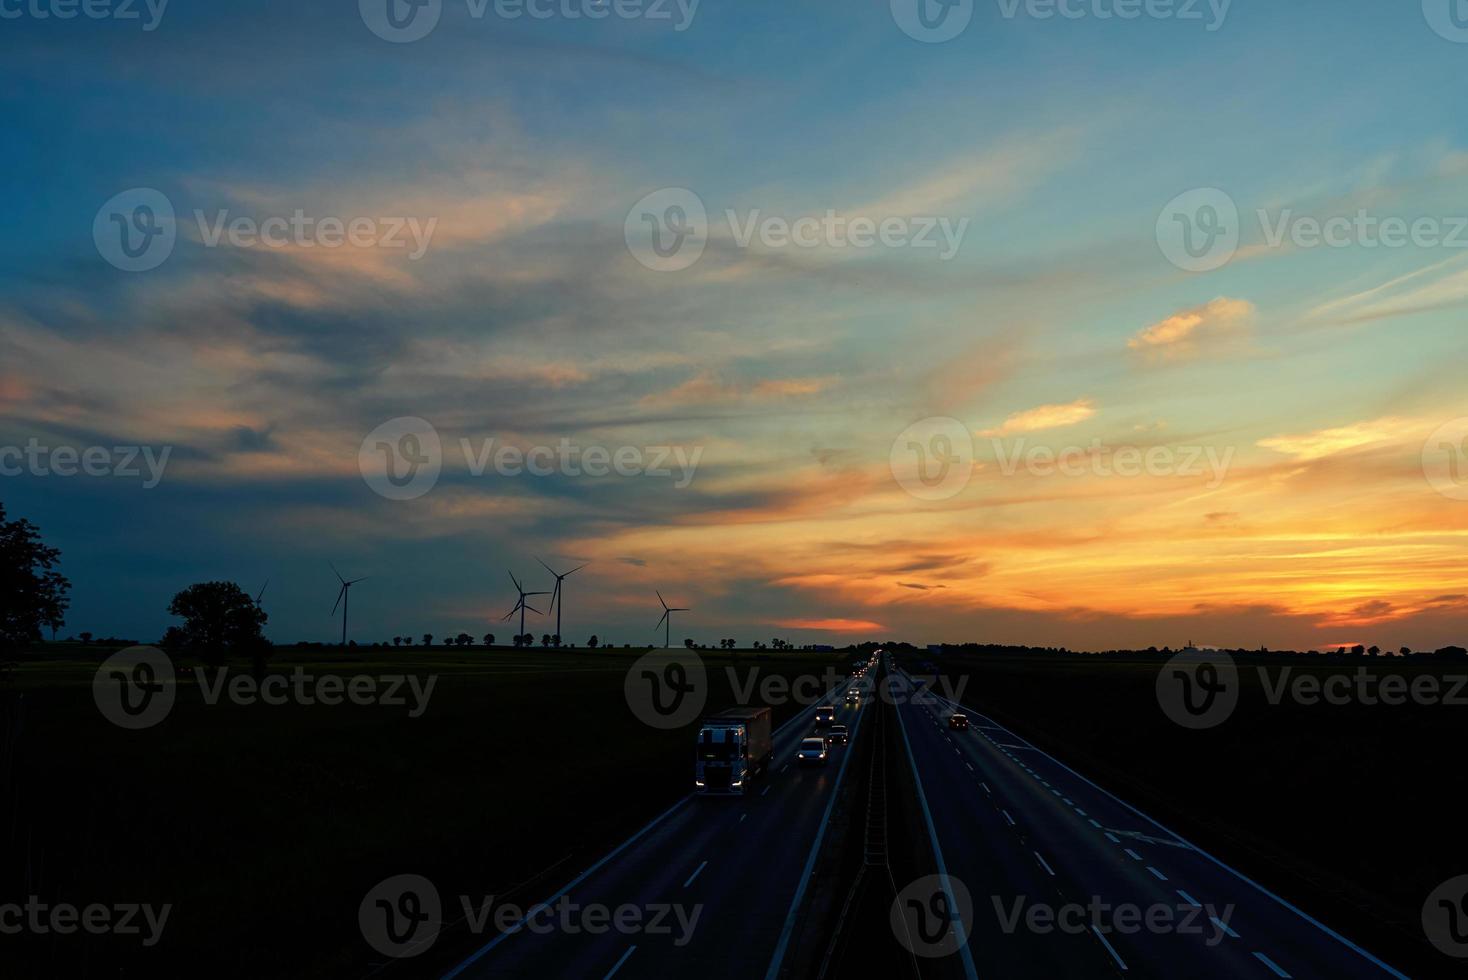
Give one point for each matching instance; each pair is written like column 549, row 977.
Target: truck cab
column 825, row 715
column 733, row 747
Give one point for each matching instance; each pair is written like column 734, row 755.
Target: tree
column 397, row 641
column 555, row 639
column 219, row 620
column 1375, row 651
column 489, row 639
column 464, row 639
column 35, row 594
column 593, row 641
column 428, row 639
column 545, row 639
column 85, row 636
column 688, row 643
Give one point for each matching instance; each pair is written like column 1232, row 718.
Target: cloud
column 1183, row 333
column 1045, row 417
column 831, row 625
column 1330, row 442
column 707, row 387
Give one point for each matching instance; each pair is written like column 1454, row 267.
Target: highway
column 743, row 860
column 1016, row 825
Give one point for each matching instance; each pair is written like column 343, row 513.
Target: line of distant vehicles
column 736, row 746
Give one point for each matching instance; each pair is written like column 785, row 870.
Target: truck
column 734, row 747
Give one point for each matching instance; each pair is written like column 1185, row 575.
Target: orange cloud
column 1045, row 417
column 831, row 625
column 1182, row 333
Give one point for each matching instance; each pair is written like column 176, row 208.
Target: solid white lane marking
column 1278, row 971
column 618, row 965
column 1224, row 926
column 1189, row 899
column 1048, row 870
column 696, row 872
column 1158, row 874
column 1120, row 963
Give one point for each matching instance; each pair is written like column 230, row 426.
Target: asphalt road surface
column 1020, row 829
column 740, row 861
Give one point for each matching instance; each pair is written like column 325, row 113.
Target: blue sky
column 1060, row 321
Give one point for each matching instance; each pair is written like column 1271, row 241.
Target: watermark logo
column 1448, row 19
column 932, row 21
column 1198, row 231
column 134, row 688
column 1199, row 689
column 666, row 689
column 667, row 230
column 1445, row 459
column 1127, row 918
column 933, row 459
column 933, row 916
column 135, row 230
column 400, row 21
column 1445, row 917
column 400, row 916
column 402, row 458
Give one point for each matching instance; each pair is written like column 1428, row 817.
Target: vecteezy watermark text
column 42, row 918
column 403, row 458
column 96, row 461
column 667, row 230
column 401, row 916
column 148, row 12
column 405, row 21
column 137, row 688
column 1101, row 916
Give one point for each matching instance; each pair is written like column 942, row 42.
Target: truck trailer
column 734, row 746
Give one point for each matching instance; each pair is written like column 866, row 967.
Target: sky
column 1029, row 237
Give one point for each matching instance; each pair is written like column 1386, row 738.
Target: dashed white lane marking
column 784, row 767
column 618, row 965
column 1278, row 971
column 1079, row 810
column 970, row 766
column 1094, row 823
column 986, row 789
column 1120, row 963
column 1132, row 854
column 696, row 872
column 764, row 791
column 1157, row 874
column 1111, row 837
column 1224, row 926
column 1189, row 899
column 1044, row 864
column 742, row 816
column 1008, row 817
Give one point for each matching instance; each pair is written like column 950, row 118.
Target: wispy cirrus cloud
column 1044, row 417
column 1185, row 333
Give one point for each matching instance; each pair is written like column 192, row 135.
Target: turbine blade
column 661, row 599
column 537, row 593
column 680, row 609
column 261, row 594
column 534, row 610
column 516, row 581
column 660, row 622
column 547, row 567
column 339, row 599
column 356, row 580
column 335, row 572
column 576, row 569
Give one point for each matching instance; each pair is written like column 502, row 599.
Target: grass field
column 1350, row 810
column 264, row 825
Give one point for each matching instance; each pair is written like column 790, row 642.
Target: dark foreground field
column 263, row 826
column 1354, row 812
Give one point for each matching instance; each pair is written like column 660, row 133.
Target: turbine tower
column 557, row 598
column 343, row 598
column 668, row 618
column 521, row 605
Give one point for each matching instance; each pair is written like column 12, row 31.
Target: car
column 825, row 715
column 957, row 721
column 812, row 751
column 839, row 733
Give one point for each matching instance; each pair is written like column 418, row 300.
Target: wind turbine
column 261, row 594
column 521, row 605
column 668, row 618
column 557, row 600
column 343, row 598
